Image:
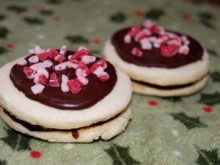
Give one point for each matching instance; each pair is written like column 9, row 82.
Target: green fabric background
column 175, row 131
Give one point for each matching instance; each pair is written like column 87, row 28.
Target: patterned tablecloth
column 164, row 131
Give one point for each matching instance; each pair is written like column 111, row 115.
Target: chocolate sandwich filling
column 40, row 128
column 153, row 58
column 89, row 95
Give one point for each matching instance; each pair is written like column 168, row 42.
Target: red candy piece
column 79, row 54
column 28, row 72
column 134, row 30
column 52, row 53
column 42, row 79
column 60, row 58
column 53, row 82
column 84, row 68
column 101, row 63
column 104, row 77
column 169, row 51
column 74, row 86
column 43, row 56
column 137, row 52
column 154, row 29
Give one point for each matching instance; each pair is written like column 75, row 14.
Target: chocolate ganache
column 153, row 58
column 89, row 95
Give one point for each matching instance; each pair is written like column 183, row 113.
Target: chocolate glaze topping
column 153, row 58
column 51, row 96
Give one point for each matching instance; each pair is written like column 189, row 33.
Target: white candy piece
column 43, row 71
column 38, row 88
column 127, row 39
column 99, row 71
column 47, row 63
column 63, row 50
column 88, row 59
column 72, row 65
column 183, row 50
column 61, row 66
column 38, row 50
column 37, row 66
column 21, row 62
column 64, row 86
column 145, row 44
column 33, row 59
column 83, row 80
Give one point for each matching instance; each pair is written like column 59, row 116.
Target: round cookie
column 159, row 62
column 64, row 90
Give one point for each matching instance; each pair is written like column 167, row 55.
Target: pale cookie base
column 39, row 114
column 147, row 90
column 104, row 131
column 159, row 76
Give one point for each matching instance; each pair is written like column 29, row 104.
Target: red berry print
column 35, row 154
column 185, row 17
column 10, row 46
column 139, row 13
column 153, row 103
column 207, row 109
column 56, row 18
column 97, row 41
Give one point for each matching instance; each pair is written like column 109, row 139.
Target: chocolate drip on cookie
column 88, row 95
column 152, row 57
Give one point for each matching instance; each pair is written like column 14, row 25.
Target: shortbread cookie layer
column 105, row 130
column 160, row 76
column 37, row 113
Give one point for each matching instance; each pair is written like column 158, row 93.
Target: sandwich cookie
column 159, row 62
column 65, row 96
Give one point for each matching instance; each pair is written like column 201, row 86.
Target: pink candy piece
column 37, row 49
column 141, row 35
column 63, row 50
column 88, row 59
column 137, row 52
column 135, row 29
column 40, row 79
column 29, row 73
column 127, row 38
column 43, row 56
column 73, row 64
column 53, row 82
column 21, row 62
column 43, row 71
column 82, row 70
column 184, row 49
column 74, row 86
column 59, row 58
column 33, row 59
column 61, row 66
column 145, row 44
column 64, row 86
column 37, row 88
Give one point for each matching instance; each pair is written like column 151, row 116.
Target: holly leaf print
column 212, row 52
column 210, row 99
column 54, row 2
column 208, row 157
column 120, row 155
column 46, row 12
column 189, row 122
column 3, row 162
column 2, row 17
column 215, row 76
column 118, row 17
column 2, row 50
column 16, row 8
column 33, row 20
column 16, row 141
column 4, row 32
column 77, row 39
column 154, row 14
column 205, row 18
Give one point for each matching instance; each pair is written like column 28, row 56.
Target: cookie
column 65, row 96
column 159, row 62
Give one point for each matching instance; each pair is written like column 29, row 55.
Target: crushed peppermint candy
column 150, row 36
column 43, row 67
